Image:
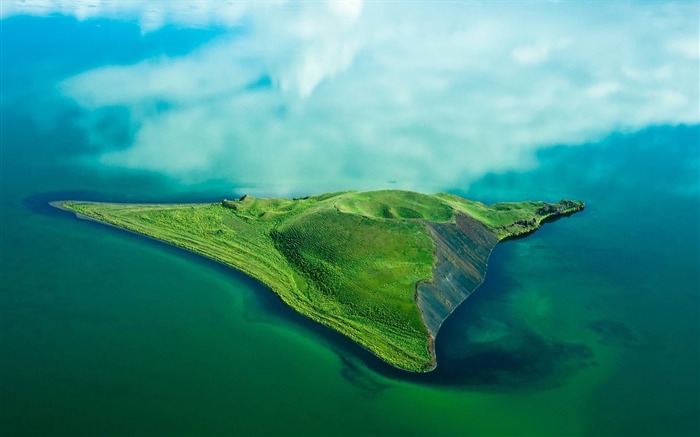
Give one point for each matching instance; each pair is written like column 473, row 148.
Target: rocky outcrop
column 561, row 207
column 462, row 250
column 546, row 212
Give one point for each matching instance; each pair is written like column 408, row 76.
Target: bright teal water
column 589, row 326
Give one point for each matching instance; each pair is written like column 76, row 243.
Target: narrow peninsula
column 384, row 268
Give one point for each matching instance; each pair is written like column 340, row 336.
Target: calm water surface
column 589, row 326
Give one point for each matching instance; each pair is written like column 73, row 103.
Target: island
column 384, row 268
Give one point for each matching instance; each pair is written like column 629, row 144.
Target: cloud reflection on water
column 322, row 96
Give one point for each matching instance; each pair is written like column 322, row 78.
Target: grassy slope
column 510, row 219
column 348, row 260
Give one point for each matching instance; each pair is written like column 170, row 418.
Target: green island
column 384, row 268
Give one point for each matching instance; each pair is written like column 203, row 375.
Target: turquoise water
column 590, row 326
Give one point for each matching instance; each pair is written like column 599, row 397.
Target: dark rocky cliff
column 462, row 252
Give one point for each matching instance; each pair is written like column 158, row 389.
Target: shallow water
column 588, row 326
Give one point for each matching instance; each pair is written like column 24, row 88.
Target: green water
column 107, row 333
column 590, row 326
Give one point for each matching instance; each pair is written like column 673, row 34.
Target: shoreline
column 433, row 340
column 461, row 265
column 315, row 324
column 459, row 270
column 57, row 204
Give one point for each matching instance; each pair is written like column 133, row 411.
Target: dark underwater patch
column 361, row 377
column 520, row 360
column 618, row 334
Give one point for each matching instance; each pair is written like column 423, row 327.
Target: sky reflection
column 321, row 96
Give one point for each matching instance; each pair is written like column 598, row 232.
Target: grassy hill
column 349, row 260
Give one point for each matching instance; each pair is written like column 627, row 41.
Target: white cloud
column 151, row 15
column 688, row 46
column 535, row 54
column 309, row 43
column 603, row 89
column 427, row 95
column 531, row 55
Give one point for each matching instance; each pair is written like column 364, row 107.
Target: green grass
column 511, row 219
column 349, row 260
column 394, row 204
